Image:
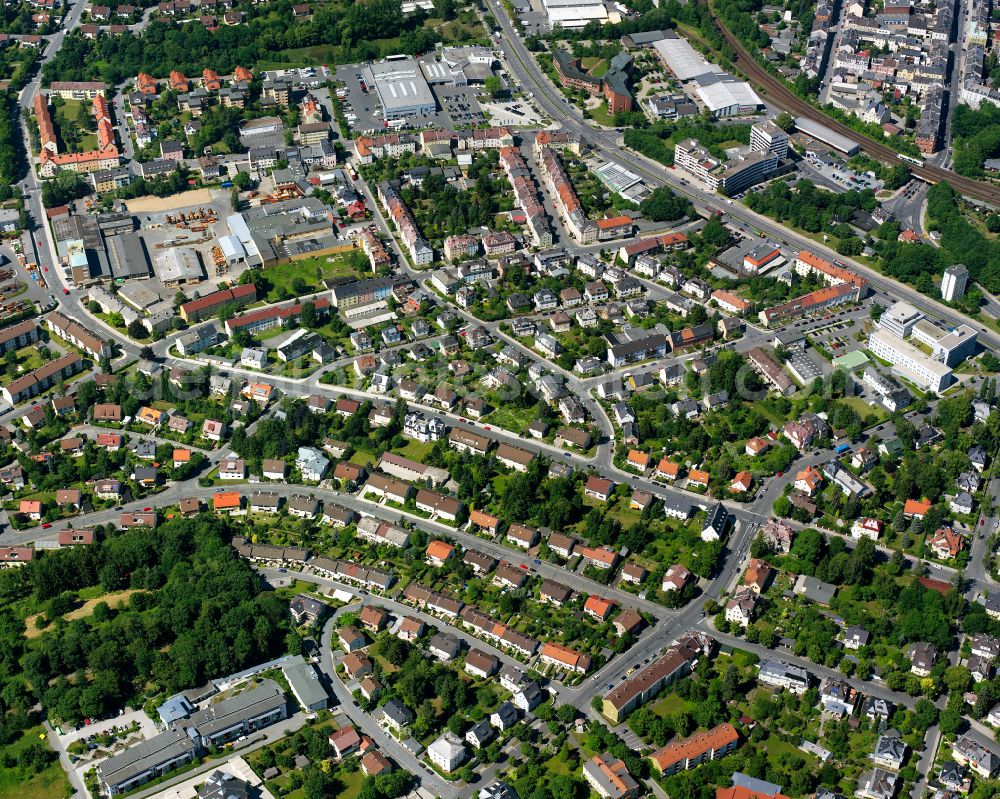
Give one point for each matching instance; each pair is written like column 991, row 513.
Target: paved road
column 367, row 724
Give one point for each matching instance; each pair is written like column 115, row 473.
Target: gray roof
column 303, row 679
column 507, row 714
column 136, row 760
column 397, row 711
column 231, row 711
column 222, row 785
column 446, row 642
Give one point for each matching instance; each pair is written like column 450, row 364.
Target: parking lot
column 457, row 105
column 511, row 114
column 839, row 175
column 461, row 105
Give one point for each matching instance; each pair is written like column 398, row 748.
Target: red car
column 46, row 526
column 146, row 510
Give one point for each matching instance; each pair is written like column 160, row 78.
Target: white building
column 954, row 282
column 910, row 362
column 768, row 137
column 447, row 752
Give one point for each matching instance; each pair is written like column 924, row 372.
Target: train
column 910, row 159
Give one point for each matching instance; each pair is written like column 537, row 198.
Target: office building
column 729, row 177
column 954, row 282
column 910, row 362
column 769, row 138
column 900, row 319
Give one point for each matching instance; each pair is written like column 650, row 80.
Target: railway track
column 778, row 93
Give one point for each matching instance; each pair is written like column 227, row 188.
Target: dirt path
column 114, row 599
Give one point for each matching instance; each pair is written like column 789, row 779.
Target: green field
column 282, row 280
column 511, row 418
column 416, row 450
column 50, row 783
column 76, row 115
column 667, row 706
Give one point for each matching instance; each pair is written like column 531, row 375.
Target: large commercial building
column 729, row 98
column 900, row 319
column 574, row 14
column 402, row 89
column 909, row 362
column 729, row 177
column 950, row 347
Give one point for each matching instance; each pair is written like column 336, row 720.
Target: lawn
column 416, row 450
column 559, row 764
column 28, row 359
column 50, row 783
column 511, row 418
column 669, row 705
column 77, row 115
column 864, row 409
column 601, row 116
column 306, row 275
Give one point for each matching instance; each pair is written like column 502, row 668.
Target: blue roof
column 176, row 707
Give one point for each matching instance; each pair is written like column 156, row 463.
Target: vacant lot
column 114, row 599
column 50, row 783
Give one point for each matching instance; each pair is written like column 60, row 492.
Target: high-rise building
column 768, row 137
column 954, row 282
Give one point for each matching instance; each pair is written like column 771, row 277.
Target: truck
column 840, row 449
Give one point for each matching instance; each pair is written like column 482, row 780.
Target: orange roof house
column 808, row 480
column 182, row 456
column 698, row 477
column 741, row 483
column 565, row 658
column 211, row 80
column 945, row 543
column 146, row 83
column 638, row 460
column 30, row 507
column 916, row 509
column 178, row 82
column 484, row 520
column 598, row 607
column 242, row 74
column 439, row 551
column 758, row 575
column 667, row 469
column 227, row 500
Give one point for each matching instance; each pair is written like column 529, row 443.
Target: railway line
column 778, row 93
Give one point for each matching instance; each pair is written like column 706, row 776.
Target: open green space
column 306, row 275
column 32, row 777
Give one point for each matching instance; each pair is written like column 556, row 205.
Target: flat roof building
column 910, row 362
column 402, row 89
column 304, row 683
